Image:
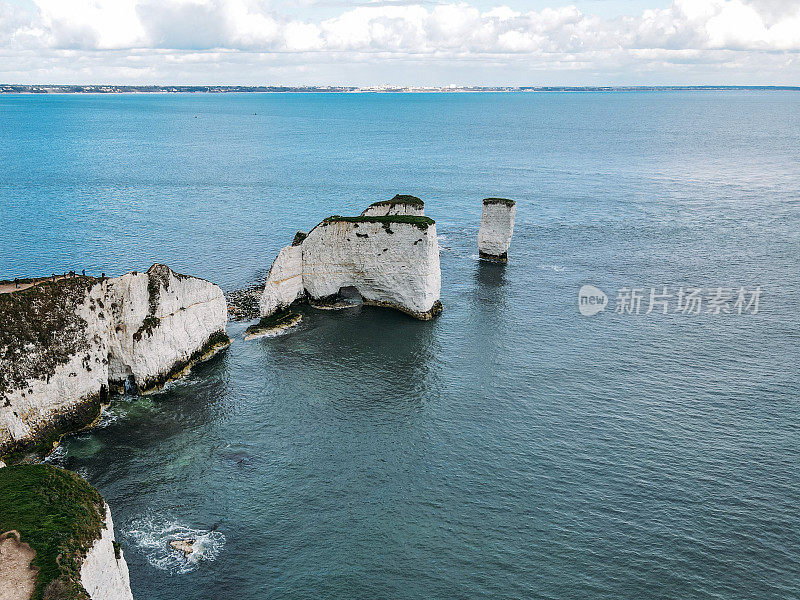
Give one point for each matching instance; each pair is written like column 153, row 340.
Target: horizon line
column 111, row 88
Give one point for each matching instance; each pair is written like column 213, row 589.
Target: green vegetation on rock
column 417, row 221
column 505, row 201
column 59, row 516
column 277, row 319
column 148, row 325
column 40, row 330
column 217, row 341
column 401, row 199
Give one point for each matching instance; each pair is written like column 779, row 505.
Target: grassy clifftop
column 504, row 201
column 39, row 329
column 57, row 514
column 419, row 222
column 401, row 199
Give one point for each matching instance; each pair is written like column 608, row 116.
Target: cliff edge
column 57, row 538
column 64, row 345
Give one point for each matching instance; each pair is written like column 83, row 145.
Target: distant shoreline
column 228, row 89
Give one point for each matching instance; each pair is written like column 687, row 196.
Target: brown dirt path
column 17, row 577
column 6, row 288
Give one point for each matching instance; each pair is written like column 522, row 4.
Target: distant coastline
column 227, row 89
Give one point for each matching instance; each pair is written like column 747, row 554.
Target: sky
column 401, row 42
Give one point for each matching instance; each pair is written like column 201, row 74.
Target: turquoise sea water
column 510, row 449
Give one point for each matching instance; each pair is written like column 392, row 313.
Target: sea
column 516, row 447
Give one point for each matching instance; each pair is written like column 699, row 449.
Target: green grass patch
column 40, row 330
column 401, row 199
column 57, row 514
column 505, row 201
column 148, row 325
column 417, row 221
column 282, row 317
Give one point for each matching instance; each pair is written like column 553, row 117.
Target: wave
column 151, row 536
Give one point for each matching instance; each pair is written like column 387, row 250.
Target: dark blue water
column 511, row 448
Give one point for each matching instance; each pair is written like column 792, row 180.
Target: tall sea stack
column 497, row 227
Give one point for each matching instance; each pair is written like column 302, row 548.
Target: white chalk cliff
column 497, row 227
column 66, row 344
column 103, row 575
column 284, row 282
column 392, row 260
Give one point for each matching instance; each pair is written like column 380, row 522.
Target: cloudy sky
column 423, row 42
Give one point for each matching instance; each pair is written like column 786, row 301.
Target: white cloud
column 744, row 32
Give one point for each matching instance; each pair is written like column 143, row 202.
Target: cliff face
column 392, row 260
column 104, row 572
column 161, row 321
column 390, row 263
column 497, row 227
column 284, row 282
column 63, row 345
column 62, row 530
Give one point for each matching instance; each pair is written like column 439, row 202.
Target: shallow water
column 510, row 449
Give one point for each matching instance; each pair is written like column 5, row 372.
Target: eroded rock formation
column 390, row 258
column 64, row 345
column 497, row 227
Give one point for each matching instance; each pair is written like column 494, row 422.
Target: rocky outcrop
column 284, row 282
column 497, row 227
column 64, row 345
column 401, row 204
column 391, row 260
column 163, row 322
column 60, row 519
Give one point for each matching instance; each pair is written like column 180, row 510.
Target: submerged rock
column 497, row 227
column 68, row 525
column 185, row 546
column 65, row 345
column 390, row 259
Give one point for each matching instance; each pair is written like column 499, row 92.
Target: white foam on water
column 151, row 536
column 57, row 456
column 107, row 417
column 556, row 268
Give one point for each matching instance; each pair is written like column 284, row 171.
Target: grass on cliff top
column 42, row 317
column 56, row 513
column 400, row 199
column 505, row 201
column 420, row 222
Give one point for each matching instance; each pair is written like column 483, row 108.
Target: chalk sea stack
column 497, row 227
column 389, row 254
column 66, row 344
column 57, row 538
